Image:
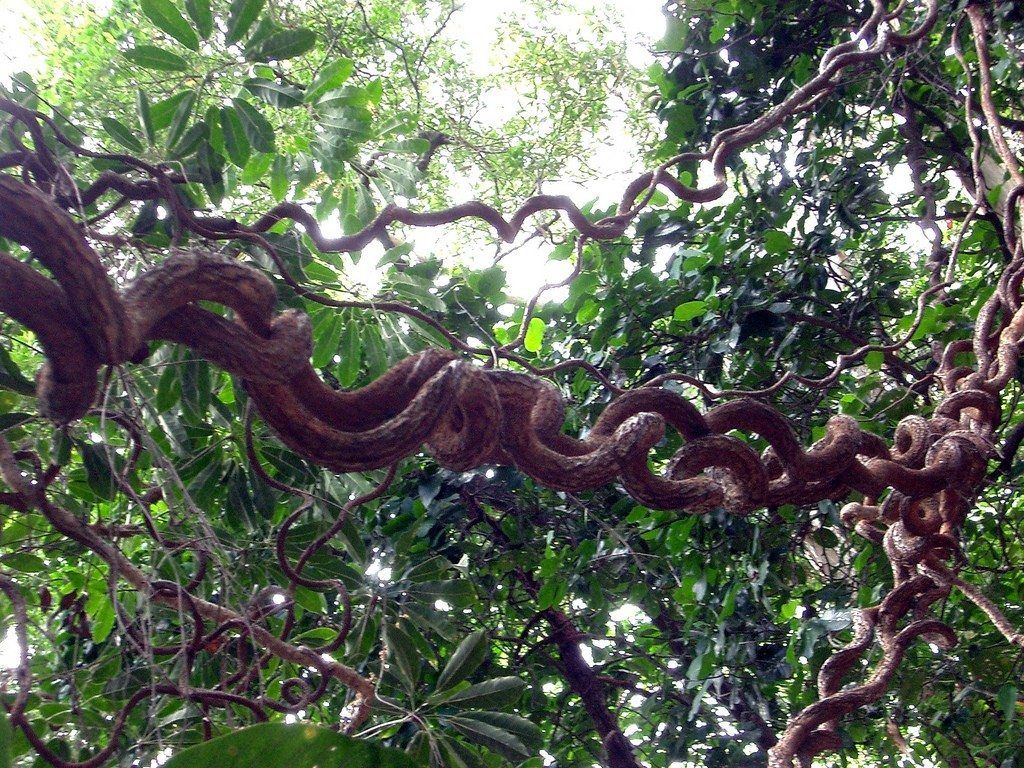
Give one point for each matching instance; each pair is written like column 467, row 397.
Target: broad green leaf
column 403, row 660
column 498, row 692
column 257, row 128
column 326, row 336
column 235, row 141
column 285, row 45
column 467, row 657
column 180, row 120
column 534, row 335
column 151, row 57
column 11, row 376
column 494, row 738
column 97, row 470
column 328, row 78
column 145, row 115
column 351, row 354
column 163, row 111
column 24, row 562
column 279, row 178
column 256, row 168
column 282, row 745
column 526, row 730
column 191, row 140
column 776, row 241
column 274, row 93
column 263, row 29
column 166, row 17
column 589, row 311
column 241, row 16
column 199, row 12
column 689, row 310
column 120, row 133
column 1007, row 698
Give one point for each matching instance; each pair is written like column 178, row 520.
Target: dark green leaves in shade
column 235, row 140
column 151, row 57
column 274, row 93
column 167, row 18
column 257, row 128
column 510, row 735
column 499, row 692
column 284, row 45
column 120, row 133
column 280, row 745
column 199, row 12
column 241, row 17
column 467, row 657
column 11, row 376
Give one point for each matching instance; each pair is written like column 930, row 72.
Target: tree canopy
column 302, row 480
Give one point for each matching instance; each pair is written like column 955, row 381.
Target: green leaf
column 534, row 335
column 180, row 120
column 6, row 740
column 199, row 12
column 404, row 660
column 282, row 745
column 11, row 376
column 235, row 141
column 285, row 45
column 776, row 241
column 145, row 115
column 163, row 111
column 526, row 730
column 689, row 310
column 467, row 657
column 151, row 57
column 120, row 133
column 326, row 336
column 166, row 17
column 13, row 419
column 263, row 29
column 240, row 17
column 97, row 470
column 279, row 178
column 497, row 692
column 328, row 78
column 494, row 738
column 1007, row 698
column 274, row 93
column 257, row 128
column 589, row 311
column 190, row 141
column 24, row 562
column 256, row 168
column 351, row 354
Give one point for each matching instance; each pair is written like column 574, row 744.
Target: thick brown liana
column 914, row 491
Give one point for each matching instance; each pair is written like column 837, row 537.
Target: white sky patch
column 10, row 651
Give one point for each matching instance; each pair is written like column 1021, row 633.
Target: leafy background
column 707, row 630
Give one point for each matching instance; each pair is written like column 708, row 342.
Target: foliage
column 484, row 606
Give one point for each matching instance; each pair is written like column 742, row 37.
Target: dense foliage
column 478, row 617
